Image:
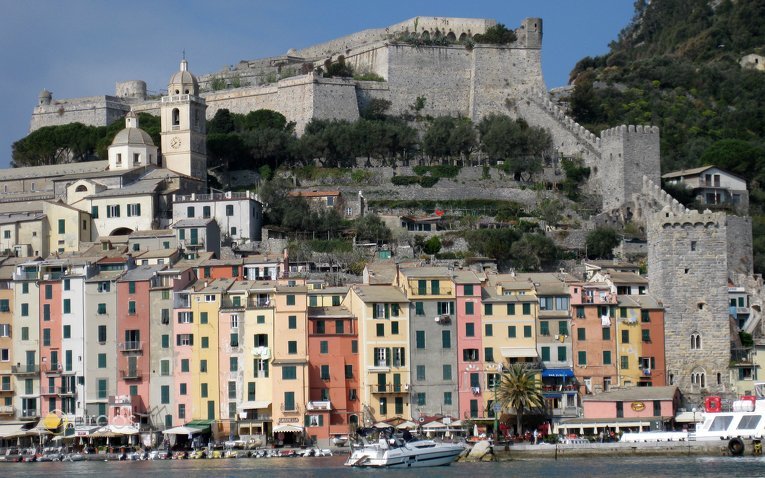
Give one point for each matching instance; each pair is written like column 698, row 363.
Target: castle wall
column 91, row 111
column 627, row 154
column 739, row 245
column 688, row 273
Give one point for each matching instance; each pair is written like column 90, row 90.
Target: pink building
column 471, row 376
column 51, row 352
column 633, row 409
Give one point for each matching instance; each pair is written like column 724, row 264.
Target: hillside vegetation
column 676, row 65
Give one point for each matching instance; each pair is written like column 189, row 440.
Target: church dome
column 183, row 82
column 132, row 134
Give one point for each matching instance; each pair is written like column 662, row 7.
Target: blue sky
column 80, row 48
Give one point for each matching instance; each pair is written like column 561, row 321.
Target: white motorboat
column 397, row 453
column 745, row 420
column 339, row 440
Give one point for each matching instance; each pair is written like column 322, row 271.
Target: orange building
column 333, row 407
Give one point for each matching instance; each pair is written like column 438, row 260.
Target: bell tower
column 184, row 135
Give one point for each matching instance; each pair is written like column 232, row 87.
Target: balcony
column 128, row 347
column 66, row 391
column 568, row 412
column 295, row 410
column 52, row 369
column 131, row 374
column 6, row 387
column 6, row 410
column 28, row 369
column 260, row 303
column 47, row 390
column 29, row 414
column 28, row 275
column 390, row 388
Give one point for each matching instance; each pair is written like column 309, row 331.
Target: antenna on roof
column 184, row 53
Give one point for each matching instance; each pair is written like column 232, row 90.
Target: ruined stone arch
column 463, row 36
column 451, row 36
column 121, row 231
column 425, row 35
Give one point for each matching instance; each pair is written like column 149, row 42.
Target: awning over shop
column 12, row 430
column 557, row 372
column 406, row 425
column 519, row 352
column 288, row 429
column 182, row 430
column 254, row 405
column 203, row 425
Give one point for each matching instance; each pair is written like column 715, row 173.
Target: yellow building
column 67, row 227
column 6, row 343
column 383, row 346
column 205, row 307
column 628, row 342
column 321, row 296
column 289, row 377
column 257, row 338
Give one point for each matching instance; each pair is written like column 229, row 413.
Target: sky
column 77, row 48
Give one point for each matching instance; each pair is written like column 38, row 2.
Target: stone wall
column 689, row 274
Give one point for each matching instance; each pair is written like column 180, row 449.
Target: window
column 581, row 333
column 645, row 316
column 581, row 358
column 184, row 339
column 511, row 331
column 233, row 364
column 447, row 372
column 203, row 317
column 646, row 335
column 292, row 347
column 133, row 210
column 290, row 299
column 544, row 327
column 48, row 291
column 102, row 387
column 229, row 209
column 622, row 312
column 25, row 287
column 289, row 401
column 46, row 312
column 165, row 341
column 101, row 309
column 420, row 339
column 470, row 355
column 203, row 390
column 348, row 371
column 234, row 340
column 67, row 332
column 354, row 346
column 46, row 337
column 185, row 365
column 380, row 330
column 606, row 357
column 606, row 333
column 62, row 226
column 468, row 290
column 101, row 334
column 446, row 339
column 292, row 322
column 181, row 411
column 131, row 307
column 488, row 354
column 488, row 330
column 183, row 389
column 562, row 327
column 625, row 362
column 579, row 312
column 190, row 211
column 205, row 342
column 488, row 309
column 324, row 372
column 113, row 211
column 561, row 354
column 510, row 309
column 625, row 336
column 435, row 287
column 185, row 317
column 696, row 341
column 526, row 309
column 527, row 331
column 25, row 333
column 261, row 319
column 203, row 366
column 469, row 308
column 469, row 330
column 324, row 347
column 445, row 308
column 419, row 308
column 421, row 399
column 393, row 328
column 164, row 368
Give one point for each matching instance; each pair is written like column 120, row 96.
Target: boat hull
column 405, row 457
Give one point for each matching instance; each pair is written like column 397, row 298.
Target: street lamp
column 694, row 418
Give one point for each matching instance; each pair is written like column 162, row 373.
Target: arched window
column 695, row 341
column 463, row 36
column 176, row 117
column 81, row 189
column 451, row 36
column 699, row 378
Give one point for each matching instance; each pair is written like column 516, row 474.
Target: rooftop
column 379, row 293
column 53, row 170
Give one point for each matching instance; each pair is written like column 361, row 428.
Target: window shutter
column 387, row 357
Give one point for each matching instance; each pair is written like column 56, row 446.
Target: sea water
column 332, row 467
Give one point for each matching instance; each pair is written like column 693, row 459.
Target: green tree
column 533, row 252
column 549, row 210
column 498, row 34
column 432, row 246
column 371, row 228
column 495, row 243
column 601, row 242
column 519, row 389
column 737, row 156
column 222, row 123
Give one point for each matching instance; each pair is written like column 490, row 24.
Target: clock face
column 175, row 143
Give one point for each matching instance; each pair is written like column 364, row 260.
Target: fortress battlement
column 623, row 130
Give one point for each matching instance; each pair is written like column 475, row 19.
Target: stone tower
column 184, row 137
column 688, row 268
column 132, row 147
column 530, row 33
column 627, row 153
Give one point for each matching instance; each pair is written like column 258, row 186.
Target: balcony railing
column 259, row 303
column 295, row 410
column 25, row 275
column 66, row 391
column 389, row 388
column 29, row 413
column 132, row 346
column 53, row 369
column 131, row 374
column 27, row 369
column 6, row 410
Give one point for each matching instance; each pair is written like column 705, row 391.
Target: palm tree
column 519, row 389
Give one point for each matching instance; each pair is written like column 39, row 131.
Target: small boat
column 394, row 452
column 340, row 440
